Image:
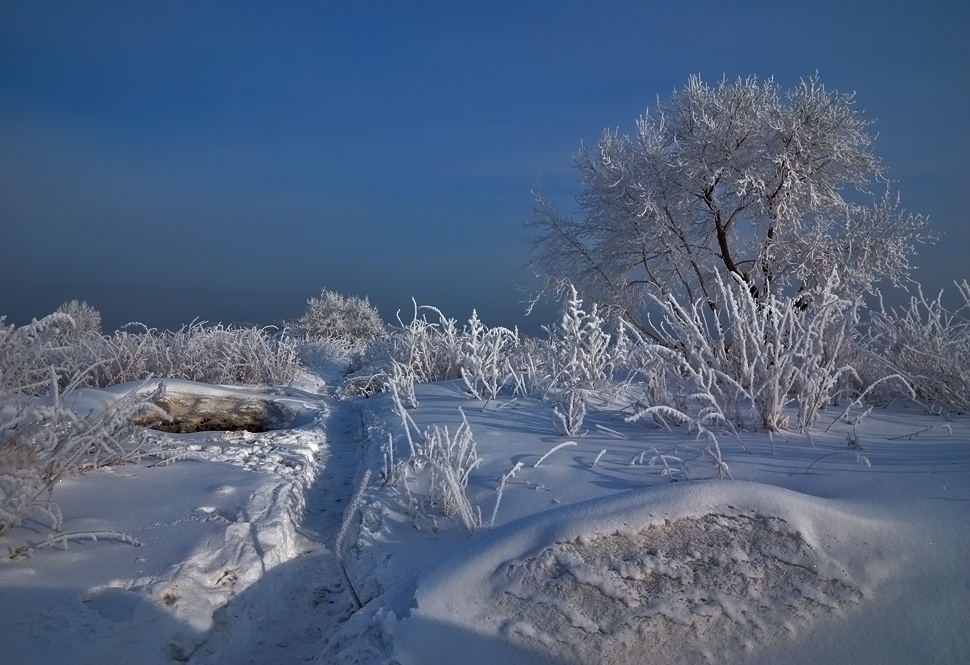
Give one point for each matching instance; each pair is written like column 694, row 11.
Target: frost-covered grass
column 47, row 429
column 752, row 358
column 45, row 438
column 196, row 352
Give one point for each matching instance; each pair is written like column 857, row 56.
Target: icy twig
column 62, row 539
column 501, row 491
column 551, row 451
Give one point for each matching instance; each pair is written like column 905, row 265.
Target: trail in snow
column 288, row 615
column 236, row 560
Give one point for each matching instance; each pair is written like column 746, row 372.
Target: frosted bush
column 43, row 441
column 928, row 344
column 434, row 477
column 570, row 411
column 400, row 384
column 437, row 350
column 486, row 361
column 25, row 353
column 578, row 350
column 344, row 317
column 757, row 355
column 432, row 350
column 578, row 358
column 86, row 320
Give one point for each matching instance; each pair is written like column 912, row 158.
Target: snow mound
column 702, row 588
column 689, row 573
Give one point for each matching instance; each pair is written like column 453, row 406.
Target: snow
column 814, row 552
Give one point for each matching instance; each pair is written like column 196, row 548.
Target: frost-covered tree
column 743, row 178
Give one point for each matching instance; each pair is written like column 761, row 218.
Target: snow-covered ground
column 620, row 546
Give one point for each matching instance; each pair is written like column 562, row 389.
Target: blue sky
column 226, row 160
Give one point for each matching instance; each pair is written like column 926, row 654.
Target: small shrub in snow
column 426, row 351
column 570, row 411
column 435, row 475
column 578, row 349
column 758, row 355
column 486, row 361
column 26, row 352
column 928, row 344
column 578, row 357
column 343, row 317
column 437, row 350
column 87, row 320
column 433, row 350
column 401, row 386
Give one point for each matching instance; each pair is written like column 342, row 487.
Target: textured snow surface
column 692, row 574
column 618, row 548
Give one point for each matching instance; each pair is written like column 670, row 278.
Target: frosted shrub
column 578, row 357
column 435, row 475
column 928, row 344
column 486, row 360
column 527, row 364
column 423, row 350
column 437, row 350
column 759, row 355
column 332, row 315
column 400, row 384
column 432, row 350
column 25, row 353
column 570, row 411
column 578, row 348
column 44, row 441
column 87, row 320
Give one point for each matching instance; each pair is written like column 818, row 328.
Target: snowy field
column 323, row 541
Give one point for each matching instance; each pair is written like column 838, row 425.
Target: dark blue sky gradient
column 226, row 160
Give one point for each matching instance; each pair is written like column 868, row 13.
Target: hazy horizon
column 226, row 161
